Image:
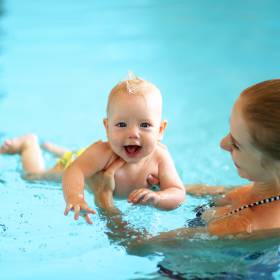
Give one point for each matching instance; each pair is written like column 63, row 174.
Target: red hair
column 261, row 110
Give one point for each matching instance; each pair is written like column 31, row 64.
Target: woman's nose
column 226, row 143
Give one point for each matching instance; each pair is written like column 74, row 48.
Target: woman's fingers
column 115, row 165
column 152, row 180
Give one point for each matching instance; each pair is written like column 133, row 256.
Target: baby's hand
column 144, row 196
column 80, row 208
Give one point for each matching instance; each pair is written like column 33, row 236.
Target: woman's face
column 246, row 157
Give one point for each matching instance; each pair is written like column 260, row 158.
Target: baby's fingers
column 88, row 210
column 87, row 218
column 68, row 209
column 77, row 209
column 131, row 195
column 134, row 194
column 138, row 197
column 148, row 198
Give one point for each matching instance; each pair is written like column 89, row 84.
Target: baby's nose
column 133, row 132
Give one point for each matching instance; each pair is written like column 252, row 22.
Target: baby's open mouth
column 132, row 150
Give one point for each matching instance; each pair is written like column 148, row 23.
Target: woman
column 254, row 144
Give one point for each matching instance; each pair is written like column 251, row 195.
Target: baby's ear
column 105, row 123
column 162, row 128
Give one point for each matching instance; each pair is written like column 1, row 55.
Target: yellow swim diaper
column 69, row 157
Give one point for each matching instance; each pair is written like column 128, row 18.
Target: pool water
column 59, row 60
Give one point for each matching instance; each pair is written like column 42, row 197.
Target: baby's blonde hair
column 132, row 85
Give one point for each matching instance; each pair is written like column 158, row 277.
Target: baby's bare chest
column 131, row 177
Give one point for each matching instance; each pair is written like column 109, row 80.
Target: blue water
column 59, row 59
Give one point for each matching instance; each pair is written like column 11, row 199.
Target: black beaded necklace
column 254, row 204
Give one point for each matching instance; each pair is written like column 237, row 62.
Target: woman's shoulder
column 266, row 215
column 248, row 217
column 239, row 192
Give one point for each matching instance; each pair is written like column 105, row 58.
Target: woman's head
column 254, row 140
column 261, row 110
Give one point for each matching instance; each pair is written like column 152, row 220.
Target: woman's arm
column 120, row 231
column 238, row 225
column 222, row 228
column 204, row 190
column 199, row 189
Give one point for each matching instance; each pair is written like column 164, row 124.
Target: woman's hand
column 201, row 190
column 104, row 181
column 103, row 185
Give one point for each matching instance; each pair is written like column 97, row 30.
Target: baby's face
column 134, row 125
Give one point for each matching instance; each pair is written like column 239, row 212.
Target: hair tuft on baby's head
column 129, row 85
column 134, row 85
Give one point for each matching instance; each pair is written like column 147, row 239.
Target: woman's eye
column 145, row 124
column 235, row 146
column 121, row 124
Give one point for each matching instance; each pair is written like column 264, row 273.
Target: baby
column 134, row 129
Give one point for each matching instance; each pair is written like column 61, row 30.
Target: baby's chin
column 131, row 159
column 133, row 156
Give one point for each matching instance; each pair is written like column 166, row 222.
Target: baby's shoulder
column 100, row 152
column 100, row 147
column 162, row 153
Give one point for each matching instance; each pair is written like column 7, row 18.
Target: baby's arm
column 172, row 191
column 91, row 161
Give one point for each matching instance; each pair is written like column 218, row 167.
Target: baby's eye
column 121, row 124
column 145, row 125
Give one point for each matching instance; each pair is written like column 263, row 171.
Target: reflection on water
column 217, row 259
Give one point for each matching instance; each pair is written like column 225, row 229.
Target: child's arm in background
column 73, row 180
column 172, row 190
